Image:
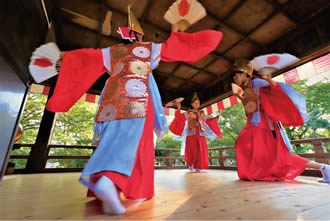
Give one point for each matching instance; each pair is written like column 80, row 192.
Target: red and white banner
column 223, row 104
column 41, row 89
column 317, row 68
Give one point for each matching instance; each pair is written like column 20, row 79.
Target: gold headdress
column 243, row 65
column 133, row 22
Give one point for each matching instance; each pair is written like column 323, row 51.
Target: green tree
column 318, row 107
column 231, row 122
column 74, row 127
column 30, row 120
column 31, row 117
column 316, row 122
column 168, row 141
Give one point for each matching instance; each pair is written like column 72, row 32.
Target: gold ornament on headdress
column 243, row 65
column 133, row 22
column 195, row 97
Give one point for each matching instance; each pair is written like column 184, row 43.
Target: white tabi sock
column 325, row 170
column 106, row 191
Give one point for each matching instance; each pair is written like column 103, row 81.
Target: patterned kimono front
column 126, row 93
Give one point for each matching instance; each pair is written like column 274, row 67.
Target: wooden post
column 39, row 152
column 320, row 148
column 221, row 162
column 170, row 161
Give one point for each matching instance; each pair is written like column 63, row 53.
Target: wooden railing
column 169, row 158
column 320, row 155
column 56, row 157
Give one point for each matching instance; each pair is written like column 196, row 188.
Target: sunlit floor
column 180, row 195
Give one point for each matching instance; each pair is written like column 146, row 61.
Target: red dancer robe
column 260, row 155
column 197, row 127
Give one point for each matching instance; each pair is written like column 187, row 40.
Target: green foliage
column 75, row 127
column 231, row 122
column 72, row 128
column 318, row 107
column 19, row 163
column 31, row 118
column 66, row 163
column 315, row 122
column 168, row 141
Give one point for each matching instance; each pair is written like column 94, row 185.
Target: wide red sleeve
column 79, row 71
column 213, row 124
column 178, row 124
column 189, row 47
column 279, row 107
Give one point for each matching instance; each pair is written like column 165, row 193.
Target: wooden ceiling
column 250, row 28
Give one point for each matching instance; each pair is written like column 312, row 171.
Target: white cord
column 45, row 11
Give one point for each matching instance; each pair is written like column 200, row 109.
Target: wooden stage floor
column 179, row 195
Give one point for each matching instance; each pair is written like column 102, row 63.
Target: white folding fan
column 44, row 62
column 277, row 61
column 237, row 89
column 174, row 102
column 185, row 13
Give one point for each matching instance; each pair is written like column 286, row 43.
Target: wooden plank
column 311, row 172
column 316, row 213
column 68, row 157
column 19, row 145
column 72, row 146
column 315, row 155
column 170, row 158
column 167, row 149
column 19, row 157
column 222, row 148
column 171, row 168
column 179, row 195
column 50, row 170
column 325, row 139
